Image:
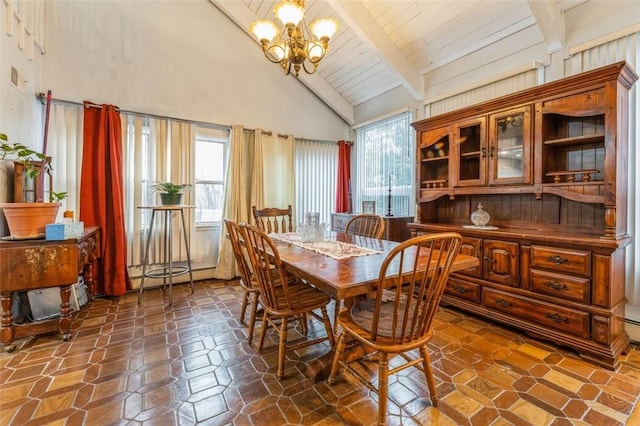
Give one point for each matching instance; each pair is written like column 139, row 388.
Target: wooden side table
column 36, row 264
column 168, row 270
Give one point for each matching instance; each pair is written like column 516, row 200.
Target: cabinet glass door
column 509, row 147
column 433, row 154
column 470, row 152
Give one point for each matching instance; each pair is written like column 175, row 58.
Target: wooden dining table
column 344, row 279
column 353, row 276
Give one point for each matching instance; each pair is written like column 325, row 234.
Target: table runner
column 334, row 249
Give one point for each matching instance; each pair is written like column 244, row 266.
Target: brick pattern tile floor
column 152, row 364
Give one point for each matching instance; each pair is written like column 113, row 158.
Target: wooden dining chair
column 250, row 288
column 273, row 219
column 367, row 225
column 399, row 319
column 283, row 297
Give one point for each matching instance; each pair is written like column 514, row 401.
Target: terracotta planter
column 170, row 199
column 28, row 220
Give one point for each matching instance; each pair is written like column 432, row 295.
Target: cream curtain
column 64, row 146
column 273, row 178
column 257, row 176
column 260, row 172
column 236, row 200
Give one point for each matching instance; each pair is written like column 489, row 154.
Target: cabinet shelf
column 586, row 139
column 434, row 184
column 570, row 175
column 426, row 160
column 470, row 154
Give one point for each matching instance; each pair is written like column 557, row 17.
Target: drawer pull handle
column 558, row 260
column 503, row 303
column 556, row 285
column 488, row 259
column 556, row 318
column 460, row 289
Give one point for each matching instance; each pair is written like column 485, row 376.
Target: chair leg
column 383, row 387
column 263, row 330
column 428, row 372
column 282, row 347
column 327, row 326
column 342, row 342
column 252, row 320
column 243, row 310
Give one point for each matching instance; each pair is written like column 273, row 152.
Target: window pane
column 209, row 160
column 209, row 202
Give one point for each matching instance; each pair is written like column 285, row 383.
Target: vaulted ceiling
column 383, row 44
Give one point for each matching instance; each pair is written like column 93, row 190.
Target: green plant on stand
column 170, row 193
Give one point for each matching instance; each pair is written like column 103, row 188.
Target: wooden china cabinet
column 549, row 164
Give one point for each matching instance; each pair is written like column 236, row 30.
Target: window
column 210, row 171
column 385, row 165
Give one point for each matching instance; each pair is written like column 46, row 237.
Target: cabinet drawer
column 566, row 261
column 563, row 319
column 463, row 289
column 563, row 286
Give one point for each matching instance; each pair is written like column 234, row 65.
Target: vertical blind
column 316, row 173
column 385, row 158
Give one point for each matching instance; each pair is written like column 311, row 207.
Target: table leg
column 186, row 245
column 6, row 324
column 318, row 369
column 167, row 244
column 88, row 273
column 146, row 256
column 64, row 324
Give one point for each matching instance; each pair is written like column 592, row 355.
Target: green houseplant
column 170, row 193
column 28, row 220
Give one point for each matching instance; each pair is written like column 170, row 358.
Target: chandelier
column 295, row 46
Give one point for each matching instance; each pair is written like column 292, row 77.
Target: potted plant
column 28, row 220
column 170, row 193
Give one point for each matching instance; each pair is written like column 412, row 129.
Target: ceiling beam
column 360, row 21
column 239, row 13
column 550, row 20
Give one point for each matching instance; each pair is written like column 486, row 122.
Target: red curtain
column 102, row 196
column 343, row 192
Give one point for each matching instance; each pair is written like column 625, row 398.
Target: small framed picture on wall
column 369, row 207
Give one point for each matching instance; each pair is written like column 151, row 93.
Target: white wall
column 182, row 59
column 20, row 111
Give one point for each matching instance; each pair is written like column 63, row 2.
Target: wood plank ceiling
column 384, row 44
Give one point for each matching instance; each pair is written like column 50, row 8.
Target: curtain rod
column 318, row 140
column 269, row 133
column 280, row 135
column 42, row 97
